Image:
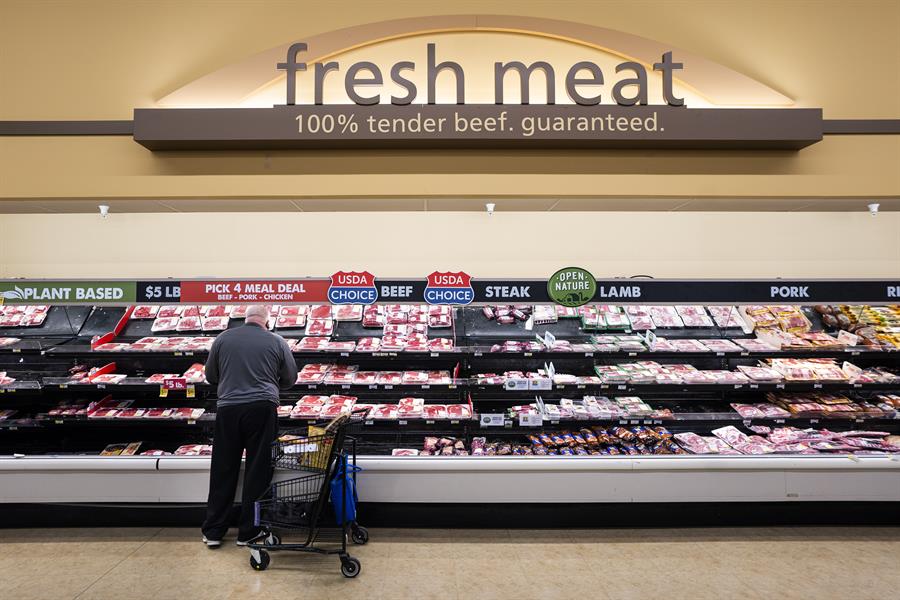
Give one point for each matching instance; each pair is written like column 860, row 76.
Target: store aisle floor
column 163, row 564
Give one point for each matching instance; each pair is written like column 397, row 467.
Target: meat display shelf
column 23, row 346
column 129, row 384
column 21, row 388
column 674, row 388
column 485, row 352
column 50, row 421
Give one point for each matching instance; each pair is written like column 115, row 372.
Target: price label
column 345, row 386
column 477, row 353
column 492, row 419
column 429, row 422
column 191, row 391
column 632, row 354
column 189, row 353
column 345, row 354
column 191, row 422
column 813, row 421
column 454, row 422
column 63, row 386
column 622, row 387
column 530, row 420
column 163, row 392
column 779, row 421
column 388, row 387
column 746, row 422
column 779, row 386
column 527, row 354
column 373, row 387
column 426, row 387
column 435, row 354
column 177, row 353
column 370, row 422
column 174, row 383
column 101, row 386
column 738, row 386
column 58, row 421
column 754, row 386
column 720, row 354
column 402, row 422
column 817, row 386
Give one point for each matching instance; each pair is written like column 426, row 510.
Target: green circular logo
column 572, row 286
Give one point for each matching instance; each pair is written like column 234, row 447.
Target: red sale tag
column 175, row 383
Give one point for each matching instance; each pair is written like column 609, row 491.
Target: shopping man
column 250, row 365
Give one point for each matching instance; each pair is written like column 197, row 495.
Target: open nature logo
column 572, row 287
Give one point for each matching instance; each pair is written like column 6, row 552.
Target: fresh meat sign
column 449, row 288
column 264, row 292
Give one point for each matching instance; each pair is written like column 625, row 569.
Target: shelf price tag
column 163, row 392
column 492, row 419
column 530, row 420
column 191, row 391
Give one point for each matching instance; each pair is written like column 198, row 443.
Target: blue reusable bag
column 343, row 492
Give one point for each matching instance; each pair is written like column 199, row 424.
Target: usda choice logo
column 449, row 288
column 572, row 287
column 350, row 287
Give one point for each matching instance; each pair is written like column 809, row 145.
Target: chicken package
column 390, row 378
column 410, row 407
column 415, row 377
column 368, row 344
column 290, row 322
column 196, row 373
column 214, row 323
column 319, row 327
column 348, row 312
column 384, row 412
column 145, row 311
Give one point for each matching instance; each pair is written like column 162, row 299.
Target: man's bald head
column 257, row 314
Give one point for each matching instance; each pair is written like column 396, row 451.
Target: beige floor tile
column 34, row 576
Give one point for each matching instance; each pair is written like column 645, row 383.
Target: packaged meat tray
column 459, row 411
column 187, row 413
column 196, row 344
column 196, row 373
column 131, row 413
column 434, row 411
column 755, row 345
column 393, row 343
column 390, row 378
column 365, row 378
column 373, row 319
column 760, row 374
column 396, row 317
column 368, row 344
column 396, row 329
column 384, row 412
column 329, row 411
column 164, row 324
column 339, row 377
column 339, row 346
column 239, row 311
column 721, row 346
column 415, row 377
column 319, row 327
column 112, row 347
column 321, row 311
column 104, row 413
column 169, row 311
column 312, row 399
column 404, row 452
column 348, row 312
column 214, row 323
column 194, row 450
column 110, row 378
column 311, row 343
column 410, row 407
column 8, row 341
column 439, row 378
column 190, row 311
column 306, row 411
column 158, row 413
column 189, row 324
column 155, row 453
column 298, row 310
column 215, row 310
column 440, row 320
column 290, row 322
column 145, row 311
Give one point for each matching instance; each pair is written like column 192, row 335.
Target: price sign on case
column 174, row 383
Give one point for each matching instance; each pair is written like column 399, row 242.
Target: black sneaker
column 256, row 538
column 211, row 544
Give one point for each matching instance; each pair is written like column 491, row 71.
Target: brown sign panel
column 475, row 126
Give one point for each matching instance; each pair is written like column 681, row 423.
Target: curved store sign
column 457, row 288
column 475, row 80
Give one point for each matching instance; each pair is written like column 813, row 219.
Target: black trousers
column 252, row 426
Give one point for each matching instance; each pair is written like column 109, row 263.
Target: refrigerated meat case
column 54, row 459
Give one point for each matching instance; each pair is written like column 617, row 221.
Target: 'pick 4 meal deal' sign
column 449, row 288
column 350, row 287
column 249, row 292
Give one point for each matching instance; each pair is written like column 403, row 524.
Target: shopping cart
column 300, row 505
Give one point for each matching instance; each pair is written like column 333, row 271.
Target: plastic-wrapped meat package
column 663, row 320
column 690, row 311
column 717, row 446
column 158, row 378
column 404, row 452
column 306, row 411
column 410, row 407
column 731, row 435
column 372, row 319
column 692, row 442
column 439, row 378
column 239, row 311
column 197, row 343
column 440, row 345
column 150, row 341
column 459, row 411
column 33, row 320
column 158, row 413
column 4, row 380
column 319, row 327
column 396, row 329
column 215, row 310
column 761, row 374
column 728, row 377
column 416, row 344
column 721, row 345
column 334, row 409
column 164, row 324
column 8, row 341
column 365, row 378
column 110, row 378
column 169, row 311
column 415, row 377
column 189, row 324
column 311, row 343
column 321, row 311
column 696, row 321
column 395, row 317
column 390, row 378
column 196, row 373
column 112, row 347
column 214, row 323
column 384, row 412
column 145, row 311
column 348, row 346
column 290, row 322
column 754, row 345
column 419, row 318
column 663, row 345
column 434, row 411
column 349, row 312
column 104, row 413
column 393, row 343
column 440, row 320
column 368, row 344
column 296, row 310
column 339, row 377
column 11, row 320
column 689, row 346
column 418, row 328
column 131, row 413
column 194, row 450
column 748, row 411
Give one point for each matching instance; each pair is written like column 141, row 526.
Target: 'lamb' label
column 572, row 286
column 449, row 288
column 619, row 291
column 350, row 287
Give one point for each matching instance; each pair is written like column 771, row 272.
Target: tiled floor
column 163, row 564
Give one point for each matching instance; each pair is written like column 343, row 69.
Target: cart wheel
column 263, row 563
column 350, row 566
column 273, row 539
column 359, row 535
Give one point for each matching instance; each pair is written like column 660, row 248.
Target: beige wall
column 414, row 244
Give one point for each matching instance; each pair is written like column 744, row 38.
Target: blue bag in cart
column 343, row 492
